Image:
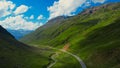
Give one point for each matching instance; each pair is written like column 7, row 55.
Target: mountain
column 4, row 33
column 45, row 31
column 19, row 33
column 93, row 35
column 14, row 54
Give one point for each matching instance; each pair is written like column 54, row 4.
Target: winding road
column 53, row 62
column 75, row 56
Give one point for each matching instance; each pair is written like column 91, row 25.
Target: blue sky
column 31, row 14
column 37, row 7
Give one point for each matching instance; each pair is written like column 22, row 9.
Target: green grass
column 94, row 37
column 14, row 54
column 66, row 61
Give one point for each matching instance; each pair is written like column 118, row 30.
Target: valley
column 89, row 39
column 93, row 35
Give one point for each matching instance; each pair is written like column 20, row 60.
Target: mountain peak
column 4, row 33
column 57, row 19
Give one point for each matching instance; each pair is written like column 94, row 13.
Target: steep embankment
column 14, row 54
column 92, row 34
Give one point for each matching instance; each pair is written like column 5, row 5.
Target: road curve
column 77, row 58
column 53, row 62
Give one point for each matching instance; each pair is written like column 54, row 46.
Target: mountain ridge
column 93, row 35
column 14, row 54
column 4, row 32
column 51, row 30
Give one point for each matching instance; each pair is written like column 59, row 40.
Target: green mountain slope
column 14, row 54
column 44, row 33
column 93, row 35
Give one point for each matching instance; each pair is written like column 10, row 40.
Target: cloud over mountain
column 12, row 17
column 67, row 7
column 10, row 13
column 18, row 22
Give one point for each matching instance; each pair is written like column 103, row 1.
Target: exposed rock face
column 106, row 6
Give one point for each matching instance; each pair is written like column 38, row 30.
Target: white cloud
column 6, row 8
column 87, row 4
column 40, row 17
column 64, row 7
column 18, row 22
column 21, row 9
column 32, row 17
column 98, row 1
column 68, row 7
column 26, row 17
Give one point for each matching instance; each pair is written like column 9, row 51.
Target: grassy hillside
column 14, row 54
column 44, row 33
column 72, row 26
column 93, row 35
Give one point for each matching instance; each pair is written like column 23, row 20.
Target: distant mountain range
column 19, row 33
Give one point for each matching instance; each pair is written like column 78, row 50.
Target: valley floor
column 57, row 53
